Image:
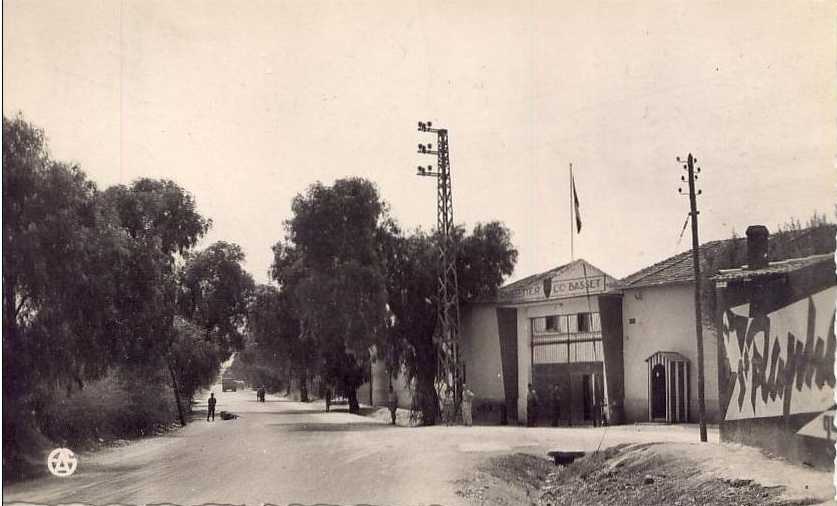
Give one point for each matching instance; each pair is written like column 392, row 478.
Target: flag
column 577, row 208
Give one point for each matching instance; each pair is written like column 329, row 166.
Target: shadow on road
column 332, row 427
column 286, row 412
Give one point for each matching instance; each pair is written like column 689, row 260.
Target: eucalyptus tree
column 330, row 265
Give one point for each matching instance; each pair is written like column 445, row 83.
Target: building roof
column 773, row 268
column 536, row 277
column 672, row 270
column 713, row 254
column 672, row 356
column 569, row 280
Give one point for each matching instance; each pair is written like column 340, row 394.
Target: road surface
column 284, row 452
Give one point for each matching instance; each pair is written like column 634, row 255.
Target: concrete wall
column 481, row 352
column 380, row 388
column 665, row 321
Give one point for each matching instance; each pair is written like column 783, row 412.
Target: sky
column 245, row 104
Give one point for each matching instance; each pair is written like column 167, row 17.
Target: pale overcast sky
column 246, row 103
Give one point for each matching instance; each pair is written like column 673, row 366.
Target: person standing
column 211, row 402
column 531, row 407
column 328, row 398
column 467, row 405
column 393, row 403
column 556, row 405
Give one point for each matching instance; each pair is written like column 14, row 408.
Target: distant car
column 228, row 384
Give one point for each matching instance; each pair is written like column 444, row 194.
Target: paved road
column 284, row 452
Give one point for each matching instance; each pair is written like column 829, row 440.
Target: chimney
column 757, row 236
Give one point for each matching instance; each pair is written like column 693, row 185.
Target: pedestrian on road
column 328, row 398
column 531, row 407
column 467, row 406
column 556, row 405
column 393, row 403
column 211, row 410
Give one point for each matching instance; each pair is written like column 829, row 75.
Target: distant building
column 375, row 392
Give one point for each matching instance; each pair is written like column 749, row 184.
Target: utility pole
column 692, row 172
column 447, row 327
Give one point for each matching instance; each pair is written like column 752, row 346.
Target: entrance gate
column 567, row 351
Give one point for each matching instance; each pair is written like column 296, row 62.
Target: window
column 584, row 323
column 551, row 324
column 566, row 324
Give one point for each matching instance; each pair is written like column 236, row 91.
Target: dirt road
column 283, row 452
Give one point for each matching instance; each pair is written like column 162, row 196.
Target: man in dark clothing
column 531, row 407
column 328, row 399
column 556, row 405
column 211, row 410
column 393, row 404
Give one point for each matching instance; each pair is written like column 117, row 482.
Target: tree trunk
column 177, row 396
column 428, row 399
column 303, row 386
column 354, row 406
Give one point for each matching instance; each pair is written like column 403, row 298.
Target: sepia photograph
column 402, row 253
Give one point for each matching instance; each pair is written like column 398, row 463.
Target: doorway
column 658, row 392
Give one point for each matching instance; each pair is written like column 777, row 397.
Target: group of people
column 212, row 401
column 533, row 406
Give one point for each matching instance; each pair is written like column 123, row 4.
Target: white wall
column 481, row 351
column 665, row 321
column 380, row 387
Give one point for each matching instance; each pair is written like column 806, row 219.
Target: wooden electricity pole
column 689, row 166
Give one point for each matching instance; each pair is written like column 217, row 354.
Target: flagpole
column 572, row 215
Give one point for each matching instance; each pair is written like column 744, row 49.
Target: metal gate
column 567, row 351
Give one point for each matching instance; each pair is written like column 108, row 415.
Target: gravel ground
column 624, row 475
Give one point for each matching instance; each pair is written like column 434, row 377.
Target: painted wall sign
column 776, row 347
column 780, row 363
column 821, row 427
column 555, row 288
column 578, row 287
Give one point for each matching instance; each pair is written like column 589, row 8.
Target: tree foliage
column 329, row 265
column 214, row 294
column 91, row 281
column 351, row 281
column 193, row 359
column 484, row 259
column 53, row 311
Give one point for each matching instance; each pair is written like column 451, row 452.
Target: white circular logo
column 62, row 462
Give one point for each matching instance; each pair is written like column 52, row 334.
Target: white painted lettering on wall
column 561, row 288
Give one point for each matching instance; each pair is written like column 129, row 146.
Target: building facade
column 561, row 327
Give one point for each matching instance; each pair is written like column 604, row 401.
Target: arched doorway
column 658, row 392
column 668, row 387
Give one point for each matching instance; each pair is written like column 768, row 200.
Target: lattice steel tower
column 449, row 369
